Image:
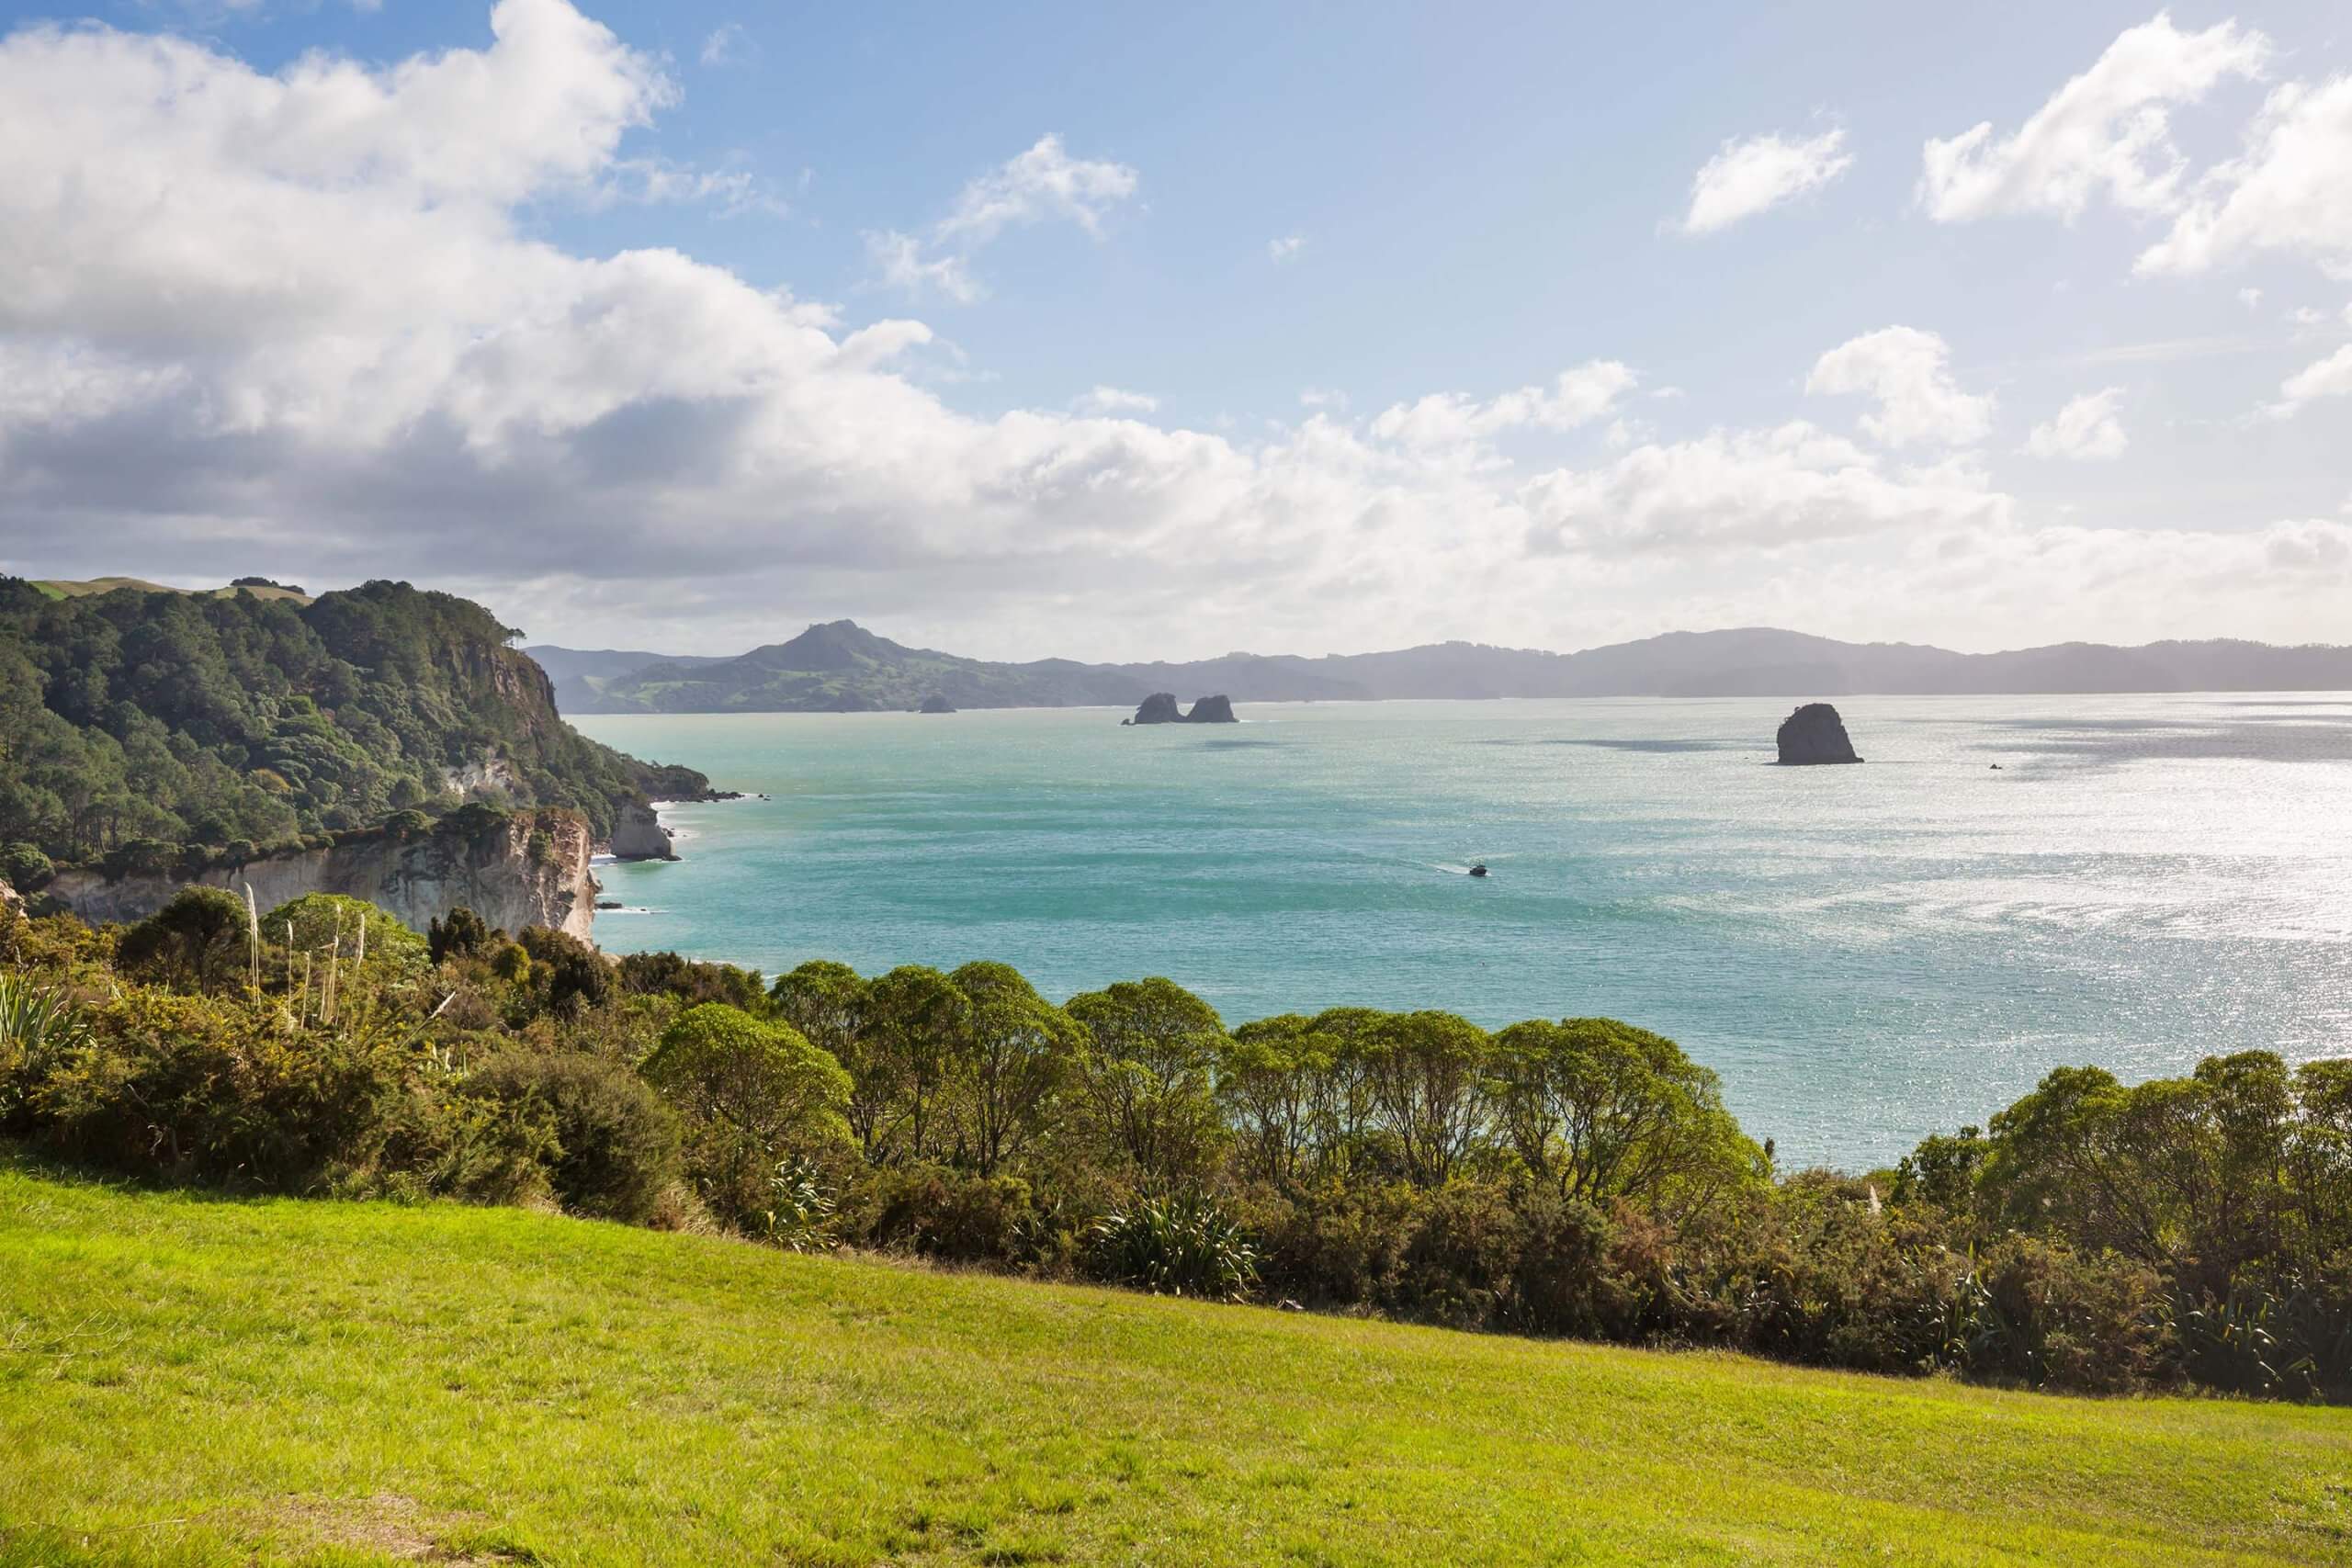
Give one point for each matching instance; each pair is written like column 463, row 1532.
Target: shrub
column 212, row 1088
column 1179, row 1246
column 940, row 1212
column 615, row 1144
column 690, row 981
column 576, row 973
column 24, row 867
column 463, row 934
column 201, row 940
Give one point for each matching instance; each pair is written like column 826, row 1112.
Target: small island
column 1160, row 708
column 1814, row 734
column 936, row 703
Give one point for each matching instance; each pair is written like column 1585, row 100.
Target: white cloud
column 1794, row 484
column 2328, row 377
column 1753, row 174
column 1908, row 371
column 308, row 317
column 2291, row 192
column 2250, row 298
column 2087, row 429
column 901, row 262
column 725, row 44
column 1041, row 183
column 2107, row 130
column 1286, row 249
column 1115, row 400
column 1451, row 419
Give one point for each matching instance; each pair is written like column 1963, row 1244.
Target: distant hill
column 579, row 675
column 839, row 667
column 68, row 588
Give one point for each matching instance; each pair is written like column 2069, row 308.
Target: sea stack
column 1212, row 710
column 1814, row 734
column 936, row 703
column 1160, row 708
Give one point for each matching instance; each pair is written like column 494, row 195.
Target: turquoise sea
column 1865, row 953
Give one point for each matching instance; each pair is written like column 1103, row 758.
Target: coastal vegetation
column 1573, row 1177
column 157, row 732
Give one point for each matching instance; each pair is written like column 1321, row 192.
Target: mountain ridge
column 842, row 667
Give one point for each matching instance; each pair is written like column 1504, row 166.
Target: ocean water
column 1864, row 953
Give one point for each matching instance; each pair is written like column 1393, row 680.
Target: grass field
column 192, row 1381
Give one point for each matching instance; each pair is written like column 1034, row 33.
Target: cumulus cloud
column 307, row 319
column 1041, row 183
column 2291, row 192
column 2107, row 132
column 1793, row 484
column 1286, row 249
column 1753, row 174
column 2086, row 428
column 1908, row 371
column 1452, row 419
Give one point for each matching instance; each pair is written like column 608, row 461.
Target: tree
column 1425, row 1072
column 1014, row 1054
column 908, row 1054
column 1271, row 1075
column 201, row 940
column 1151, row 1054
column 463, row 935
column 762, row 1082
column 1602, row 1109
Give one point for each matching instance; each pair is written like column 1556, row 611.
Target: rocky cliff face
column 1814, row 734
column 1212, row 710
column 499, row 874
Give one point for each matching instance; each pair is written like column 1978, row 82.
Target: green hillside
column 68, row 588
column 152, row 729
column 187, row 1380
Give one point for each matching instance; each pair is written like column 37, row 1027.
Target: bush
column 937, row 1211
column 211, row 1088
column 576, row 973
column 1177, row 1246
column 24, row 867
column 615, row 1144
column 463, row 935
column 201, row 940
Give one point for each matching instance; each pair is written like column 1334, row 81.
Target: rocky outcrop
column 531, row 869
column 1814, row 734
column 1160, row 708
column 936, row 703
column 638, row 834
column 1212, row 710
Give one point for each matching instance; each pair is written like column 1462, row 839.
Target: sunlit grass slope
column 183, row 1381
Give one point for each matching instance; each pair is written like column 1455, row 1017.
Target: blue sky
column 1465, row 200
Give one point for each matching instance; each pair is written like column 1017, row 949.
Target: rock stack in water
column 1814, row 734
column 1160, row 708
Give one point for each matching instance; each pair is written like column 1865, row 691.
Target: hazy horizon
column 683, row 327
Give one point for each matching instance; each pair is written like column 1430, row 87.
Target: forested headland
column 1576, row 1177
column 160, row 733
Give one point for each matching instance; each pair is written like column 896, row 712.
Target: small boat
column 1478, row 870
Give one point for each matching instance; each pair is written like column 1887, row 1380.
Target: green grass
column 193, row 1381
